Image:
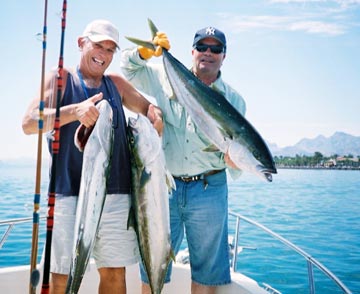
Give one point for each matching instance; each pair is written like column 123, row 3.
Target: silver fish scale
column 92, row 194
column 150, row 199
column 219, row 121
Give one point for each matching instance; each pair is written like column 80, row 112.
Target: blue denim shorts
column 200, row 212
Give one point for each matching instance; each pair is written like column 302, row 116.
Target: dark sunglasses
column 217, row 49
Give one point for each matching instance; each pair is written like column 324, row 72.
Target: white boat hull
column 15, row 280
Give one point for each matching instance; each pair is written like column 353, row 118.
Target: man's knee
column 58, row 283
column 112, row 275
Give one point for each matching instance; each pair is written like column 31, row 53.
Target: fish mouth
column 268, row 174
column 82, row 135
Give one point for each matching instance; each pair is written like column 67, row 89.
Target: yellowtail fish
column 96, row 143
column 220, row 122
column 151, row 187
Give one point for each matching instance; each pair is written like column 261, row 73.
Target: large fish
column 96, row 143
column 219, row 121
column 151, row 188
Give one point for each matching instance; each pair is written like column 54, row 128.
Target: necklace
column 83, row 83
column 83, row 86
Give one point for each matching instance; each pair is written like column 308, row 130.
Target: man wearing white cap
column 115, row 245
column 198, row 206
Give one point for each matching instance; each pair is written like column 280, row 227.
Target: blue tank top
column 69, row 159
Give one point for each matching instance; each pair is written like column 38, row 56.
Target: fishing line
column 51, row 103
column 55, row 152
column 34, row 272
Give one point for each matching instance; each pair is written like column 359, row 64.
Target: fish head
column 250, row 159
column 264, row 156
column 144, row 138
column 103, row 123
column 265, row 173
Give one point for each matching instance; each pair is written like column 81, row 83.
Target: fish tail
column 152, row 27
column 147, row 44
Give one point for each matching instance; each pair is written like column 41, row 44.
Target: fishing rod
column 55, row 151
column 34, row 272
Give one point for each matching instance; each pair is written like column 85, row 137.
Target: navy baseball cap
column 210, row 32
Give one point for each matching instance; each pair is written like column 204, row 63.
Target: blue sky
column 296, row 63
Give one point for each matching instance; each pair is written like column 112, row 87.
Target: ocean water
column 317, row 210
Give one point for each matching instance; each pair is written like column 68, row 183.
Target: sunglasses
column 217, row 49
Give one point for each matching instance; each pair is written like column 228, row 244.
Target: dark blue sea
column 317, row 210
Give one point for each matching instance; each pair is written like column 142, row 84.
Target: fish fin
column 147, row 44
column 170, row 182
column 211, row 148
column 172, row 255
column 152, row 27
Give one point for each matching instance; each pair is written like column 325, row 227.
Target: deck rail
column 10, row 223
column 311, row 261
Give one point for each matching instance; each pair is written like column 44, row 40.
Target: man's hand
column 86, row 111
column 154, row 114
column 145, row 53
column 160, row 41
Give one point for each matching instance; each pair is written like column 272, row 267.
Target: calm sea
column 317, row 210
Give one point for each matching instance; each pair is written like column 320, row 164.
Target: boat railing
column 311, row 261
column 10, row 224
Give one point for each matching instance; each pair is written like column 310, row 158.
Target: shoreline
column 357, row 168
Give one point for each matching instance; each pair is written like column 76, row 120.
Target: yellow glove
column 145, row 53
column 160, row 41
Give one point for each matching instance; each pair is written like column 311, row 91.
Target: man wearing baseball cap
column 115, row 246
column 210, row 32
column 199, row 205
column 102, row 30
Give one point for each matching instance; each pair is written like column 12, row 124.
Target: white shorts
column 115, row 244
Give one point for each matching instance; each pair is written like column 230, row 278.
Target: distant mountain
column 340, row 143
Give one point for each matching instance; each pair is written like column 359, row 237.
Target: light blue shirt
column 183, row 142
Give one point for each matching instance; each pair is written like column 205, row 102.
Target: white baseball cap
column 102, row 30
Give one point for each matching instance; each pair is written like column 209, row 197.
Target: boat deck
column 15, row 280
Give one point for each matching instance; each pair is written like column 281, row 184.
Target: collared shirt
column 184, row 144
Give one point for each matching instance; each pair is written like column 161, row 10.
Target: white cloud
column 286, row 23
column 260, row 21
column 325, row 17
column 335, row 5
column 296, row 1
column 316, row 27
column 340, row 2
